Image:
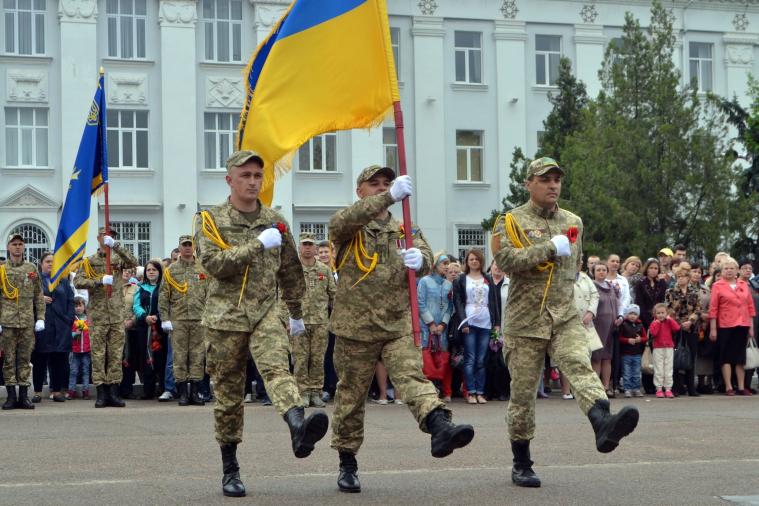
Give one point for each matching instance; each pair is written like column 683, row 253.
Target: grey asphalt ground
column 685, row 451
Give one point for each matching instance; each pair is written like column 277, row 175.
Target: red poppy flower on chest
column 281, row 227
column 572, row 234
column 321, row 277
column 201, row 276
column 32, row 275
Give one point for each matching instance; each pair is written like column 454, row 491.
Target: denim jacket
column 435, row 305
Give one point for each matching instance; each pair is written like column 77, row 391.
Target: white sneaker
column 166, row 397
column 248, row 398
column 567, row 397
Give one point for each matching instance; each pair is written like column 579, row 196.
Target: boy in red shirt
column 662, row 331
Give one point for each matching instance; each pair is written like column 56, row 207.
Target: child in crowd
column 632, row 343
column 80, row 349
column 662, row 332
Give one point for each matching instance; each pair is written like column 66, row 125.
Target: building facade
column 474, row 77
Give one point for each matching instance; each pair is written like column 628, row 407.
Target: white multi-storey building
column 474, row 77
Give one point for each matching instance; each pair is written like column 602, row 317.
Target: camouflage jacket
column 320, row 293
column 524, row 317
column 21, row 313
column 100, row 308
column 268, row 269
column 176, row 306
column 376, row 308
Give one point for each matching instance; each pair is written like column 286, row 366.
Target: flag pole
column 408, row 231
column 108, row 289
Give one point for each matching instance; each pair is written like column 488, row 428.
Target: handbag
column 647, row 362
column 752, row 355
column 682, row 360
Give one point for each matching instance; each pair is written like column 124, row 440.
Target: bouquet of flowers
column 496, row 340
column 81, row 325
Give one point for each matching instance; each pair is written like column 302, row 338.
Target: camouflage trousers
column 568, row 347
column 226, row 357
column 187, row 346
column 17, row 345
column 107, row 352
column 355, row 362
column 308, row 354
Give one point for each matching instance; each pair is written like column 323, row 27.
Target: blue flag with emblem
column 89, row 176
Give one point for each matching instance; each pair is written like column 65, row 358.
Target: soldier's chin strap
column 359, row 252
column 208, row 226
column 9, row 291
column 520, row 240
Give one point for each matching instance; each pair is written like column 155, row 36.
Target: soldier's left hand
column 412, row 258
column 297, row 327
column 39, row 326
column 108, row 241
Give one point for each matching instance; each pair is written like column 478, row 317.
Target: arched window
column 36, row 241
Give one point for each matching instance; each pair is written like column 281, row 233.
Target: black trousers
column 39, row 370
column 57, row 363
column 684, row 380
column 330, row 376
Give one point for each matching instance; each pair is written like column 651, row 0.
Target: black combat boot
column 231, row 485
column 522, row 474
column 195, row 398
column 305, row 432
column 23, row 398
column 10, row 402
column 101, row 400
column 347, row 480
column 610, row 428
column 182, row 390
column 114, row 398
column 446, row 436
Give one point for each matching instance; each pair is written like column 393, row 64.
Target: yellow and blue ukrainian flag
column 326, row 66
column 89, row 176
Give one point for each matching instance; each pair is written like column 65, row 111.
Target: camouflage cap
column 372, row 171
column 307, row 237
column 185, row 238
column 240, row 158
column 15, row 236
column 542, row 166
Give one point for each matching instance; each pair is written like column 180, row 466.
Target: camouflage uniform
column 17, row 319
column 107, row 314
column 372, row 320
column 184, row 311
column 529, row 332
column 253, row 325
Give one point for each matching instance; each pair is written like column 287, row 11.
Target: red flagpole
column 108, row 289
column 408, row 231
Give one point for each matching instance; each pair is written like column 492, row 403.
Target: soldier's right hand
column 107, row 280
column 108, row 241
column 402, row 187
column 167, row 326
column 562, row 245
column 270, row 238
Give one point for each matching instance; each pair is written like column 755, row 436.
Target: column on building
column 511, row 85
column 177, row 20
column 79, row 75
column 429, row 130
column 590, row 44
column 739, row 63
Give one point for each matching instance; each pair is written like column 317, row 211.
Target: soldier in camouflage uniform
column 21, row 298
column 539, row 245
column 247, row 250
column 309, row 347
column 371, row 320
column 180, row 304
column 107, row 313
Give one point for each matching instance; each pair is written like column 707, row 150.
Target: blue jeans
column 168, row 375
column 475, row 349
column 631, row 372
column 79, row 362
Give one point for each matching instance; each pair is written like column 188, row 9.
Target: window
column 127, row 139
column 318, row 229
column 395, row 41
column 468, row 48
column 24, row 26
column 701, row 65
column 390, row 147
column 25, row 137
column 469, row 155
column 135, row 236
column 319, row 154
column 36, row 242
column 468, row 238
column 547, row 56
column 126, row 28
column 222, row 26
column 219, row 130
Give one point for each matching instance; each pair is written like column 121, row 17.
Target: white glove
column 167, row 327
column 412, row 258
column 297, row 327
column 107, row 280
column 562, row 245
column 39, row 326
column 270, row 238
column 1, row 329
column 108, row 241
column 402, row 187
